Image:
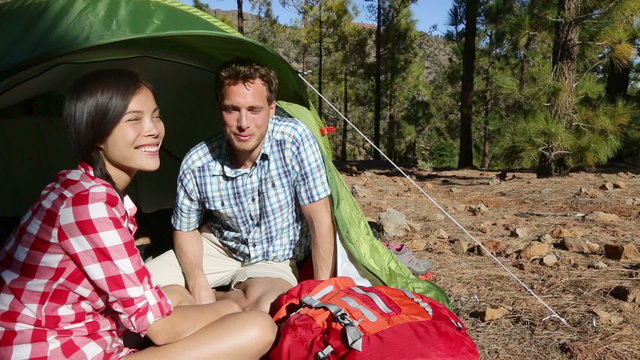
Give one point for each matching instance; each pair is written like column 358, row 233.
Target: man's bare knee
column 261, row 292
column 237, row 296
column 229, row 306
column 261, row 304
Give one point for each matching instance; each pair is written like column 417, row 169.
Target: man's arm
column 318, row 215
column 188, row 248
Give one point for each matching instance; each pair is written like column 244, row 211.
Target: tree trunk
column 378, row 89
column 320, row 58
column 303, row 15
column 343, row 150
column 465, row 159
column 392, row 134
column 486, row 136
column 551, row 162
column 524, row 62
column 552, row 159
column 565, row 54
column 486, row 143
column 240, row 17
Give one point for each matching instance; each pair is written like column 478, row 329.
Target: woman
column 72, row 279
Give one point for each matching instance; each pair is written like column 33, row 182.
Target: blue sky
column 427, row 12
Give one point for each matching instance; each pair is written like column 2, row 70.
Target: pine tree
column 348, row 64
column 200, row 5
column 240, row 16
column 378, row 9
column 465, row 159
column 266, row 28
column 399, row 53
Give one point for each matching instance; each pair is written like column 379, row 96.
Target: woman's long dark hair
column 94, row 105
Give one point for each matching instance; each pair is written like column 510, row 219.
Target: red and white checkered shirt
column 72, row 279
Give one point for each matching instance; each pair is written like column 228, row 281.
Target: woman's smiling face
column 134, row 144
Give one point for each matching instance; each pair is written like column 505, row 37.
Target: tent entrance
column 36, row 108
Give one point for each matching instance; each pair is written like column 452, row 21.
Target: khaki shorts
column 219, row 267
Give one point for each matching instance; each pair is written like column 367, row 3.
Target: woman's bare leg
column 245, row 335
column 212, row 331
column 178, row 295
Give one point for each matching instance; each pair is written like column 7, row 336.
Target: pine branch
column 582, row 125
column 599, row 62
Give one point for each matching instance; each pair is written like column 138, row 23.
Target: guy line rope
column 553, row 313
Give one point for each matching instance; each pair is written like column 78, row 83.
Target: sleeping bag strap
column 374, row 297
column 419, row 301
column 354, row 335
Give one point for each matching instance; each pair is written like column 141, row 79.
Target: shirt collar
column 86, row 168
column 267, row 145
column 129, row 206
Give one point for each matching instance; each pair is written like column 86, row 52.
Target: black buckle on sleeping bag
column 354, row 335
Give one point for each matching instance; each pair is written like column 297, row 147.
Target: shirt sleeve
column 311, row 183
column 94, row 233
column 188, row 210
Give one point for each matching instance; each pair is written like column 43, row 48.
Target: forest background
column 541, row 87
column 550, row 85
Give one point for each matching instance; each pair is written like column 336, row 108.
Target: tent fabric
column 47, row 44
column 159, row 28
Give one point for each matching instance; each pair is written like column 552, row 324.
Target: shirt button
column 253, row 199
column 254, row 245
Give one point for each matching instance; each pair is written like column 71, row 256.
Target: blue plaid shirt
column 255, row 213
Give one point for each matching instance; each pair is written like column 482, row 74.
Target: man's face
column 245, row 115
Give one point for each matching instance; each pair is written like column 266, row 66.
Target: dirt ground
column 581, row 278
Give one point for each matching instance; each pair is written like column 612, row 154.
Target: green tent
column 46, row 45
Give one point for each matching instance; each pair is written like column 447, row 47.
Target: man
column 255, row 184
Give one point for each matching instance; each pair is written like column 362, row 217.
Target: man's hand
column 201, row 291
column 188, row 248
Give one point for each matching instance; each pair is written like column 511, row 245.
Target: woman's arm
column 94, row 233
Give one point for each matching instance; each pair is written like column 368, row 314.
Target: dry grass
column 573, row 287
column 475, row 283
